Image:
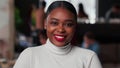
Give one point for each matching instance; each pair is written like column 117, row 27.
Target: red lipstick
column 59, row 38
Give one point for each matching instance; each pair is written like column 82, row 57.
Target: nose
column 61, row 29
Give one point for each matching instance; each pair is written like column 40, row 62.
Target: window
column 90, row 7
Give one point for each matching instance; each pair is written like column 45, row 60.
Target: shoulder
column 37, row 48
column 82, row 52
column 85, row 55
column 96, row 44
column 26, row 57
column 32, row 50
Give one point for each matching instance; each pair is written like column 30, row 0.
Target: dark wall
column 105, row 5
column 105, row 33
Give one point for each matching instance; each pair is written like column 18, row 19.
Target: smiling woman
column 60, row 25
column 57, row 52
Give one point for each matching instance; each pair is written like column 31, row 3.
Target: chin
column 59, row 44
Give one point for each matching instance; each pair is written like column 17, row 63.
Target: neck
column 58, row 50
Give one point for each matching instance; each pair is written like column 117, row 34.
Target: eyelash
column 54, row 23
column 67, row 24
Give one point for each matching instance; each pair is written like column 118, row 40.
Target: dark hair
column 117, row 6
column 42, row 33
column 81, row 7
column 63, row 4
column 42, row 4
column 90, row 35
column 38, row 4
column 81, row 12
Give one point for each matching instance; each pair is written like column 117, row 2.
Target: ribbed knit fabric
column 51, row 56
column 58, row 50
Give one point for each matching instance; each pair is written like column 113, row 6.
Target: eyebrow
column 54, row 19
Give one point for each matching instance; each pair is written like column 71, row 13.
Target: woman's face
column 60, row 25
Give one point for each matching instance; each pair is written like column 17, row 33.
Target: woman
column 60, row 25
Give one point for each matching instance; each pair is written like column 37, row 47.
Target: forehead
column 62, row 13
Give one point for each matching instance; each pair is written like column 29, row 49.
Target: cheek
column 50, row 30
column 71, row 31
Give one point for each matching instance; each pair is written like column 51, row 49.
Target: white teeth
column 59, row 37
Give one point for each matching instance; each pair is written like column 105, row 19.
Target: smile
column 59, row 38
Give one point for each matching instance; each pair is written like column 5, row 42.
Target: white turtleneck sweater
column 51, row 56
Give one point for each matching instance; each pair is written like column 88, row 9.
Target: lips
column 59, row 38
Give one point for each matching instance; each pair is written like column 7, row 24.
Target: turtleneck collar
column 58, row 50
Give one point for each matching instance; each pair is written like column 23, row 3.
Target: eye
column 69, row 24
column 54, row 23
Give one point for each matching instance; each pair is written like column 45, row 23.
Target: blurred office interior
column 13, row 39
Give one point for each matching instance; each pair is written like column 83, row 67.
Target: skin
column 88, row 41
column 60, row 25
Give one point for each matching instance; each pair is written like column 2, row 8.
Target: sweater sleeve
column 94, row 62
column 24, row 60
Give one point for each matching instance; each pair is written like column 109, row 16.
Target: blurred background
column 22, row 21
